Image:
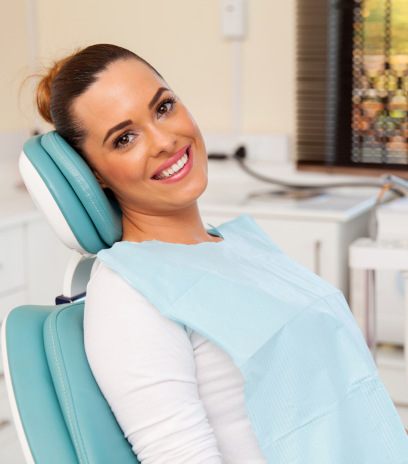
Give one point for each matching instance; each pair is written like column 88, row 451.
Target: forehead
column 122, row 91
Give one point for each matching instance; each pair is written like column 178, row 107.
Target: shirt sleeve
column 144, row 365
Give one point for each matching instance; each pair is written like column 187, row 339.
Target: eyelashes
column 125, row 139
column 166, row 101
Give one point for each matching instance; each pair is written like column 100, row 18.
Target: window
column 352, row 81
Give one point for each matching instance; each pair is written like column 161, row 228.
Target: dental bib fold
column 312, row 390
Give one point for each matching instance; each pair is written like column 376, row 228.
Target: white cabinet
column 32, row 264
column 12, row 270
column 46, row 261
column 12, row 290
column 317, row 242
column 12, row 274
column 316, row 232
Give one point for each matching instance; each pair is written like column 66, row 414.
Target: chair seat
column 64, row 416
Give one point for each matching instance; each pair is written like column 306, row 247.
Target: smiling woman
column 210, row 346
column 144, row 146
column 139, row 139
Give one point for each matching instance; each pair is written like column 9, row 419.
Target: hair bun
column 44, row 88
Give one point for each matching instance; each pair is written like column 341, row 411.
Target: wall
column 14, row 111
column 182, row 39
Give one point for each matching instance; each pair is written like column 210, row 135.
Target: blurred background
column 313, row 96
column 182, row 39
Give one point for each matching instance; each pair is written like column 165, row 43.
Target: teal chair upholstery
column 62, row 415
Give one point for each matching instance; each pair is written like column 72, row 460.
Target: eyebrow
column 119, row 126
column 156, row 96
column 123, row 124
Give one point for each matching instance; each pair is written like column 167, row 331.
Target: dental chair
column 60, row 415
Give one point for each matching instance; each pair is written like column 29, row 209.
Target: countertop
column 229, row 188
column 227, row 191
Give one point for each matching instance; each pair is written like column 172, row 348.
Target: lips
column 171, row 160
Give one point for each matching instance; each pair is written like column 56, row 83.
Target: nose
column 161, row 140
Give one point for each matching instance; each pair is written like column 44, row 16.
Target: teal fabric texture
column 312, row 390
column 95, row 219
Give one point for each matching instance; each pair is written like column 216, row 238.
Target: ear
column 99, row 179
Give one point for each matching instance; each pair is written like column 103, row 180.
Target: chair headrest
column 64, row 188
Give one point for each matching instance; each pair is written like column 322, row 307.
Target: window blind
column 332, row 38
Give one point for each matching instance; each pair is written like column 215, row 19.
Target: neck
column 181, row 226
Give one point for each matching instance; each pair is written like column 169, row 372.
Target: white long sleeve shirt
column 178, row 398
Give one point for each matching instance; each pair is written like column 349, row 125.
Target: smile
column 178, row 169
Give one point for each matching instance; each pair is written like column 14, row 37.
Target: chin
column 201, row 182
column 192, row 192
column 196, row 190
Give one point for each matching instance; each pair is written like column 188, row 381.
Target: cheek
column 122, row 171
column 188, row 123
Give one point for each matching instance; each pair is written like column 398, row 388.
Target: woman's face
column 134, row 123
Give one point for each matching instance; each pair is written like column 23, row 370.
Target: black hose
column 240, row 155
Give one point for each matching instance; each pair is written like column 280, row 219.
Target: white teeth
column 174, row 167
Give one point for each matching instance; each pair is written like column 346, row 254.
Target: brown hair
column 68, row 78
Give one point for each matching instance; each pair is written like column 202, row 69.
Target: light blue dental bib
column 312, row 391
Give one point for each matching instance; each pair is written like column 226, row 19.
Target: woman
column 177, row 395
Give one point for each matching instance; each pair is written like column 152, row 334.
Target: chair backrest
column 67, row 192
column 59, row 412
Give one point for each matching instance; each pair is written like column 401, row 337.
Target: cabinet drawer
column 11, row 259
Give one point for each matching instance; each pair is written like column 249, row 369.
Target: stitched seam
column 89, row 192
column 60, row 371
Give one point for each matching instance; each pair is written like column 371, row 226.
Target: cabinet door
column 313, row 244
column 299, row 240
column 12, row 274
column 47, row 259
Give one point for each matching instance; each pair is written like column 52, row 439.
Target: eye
column 166, row 106
column 124, row 140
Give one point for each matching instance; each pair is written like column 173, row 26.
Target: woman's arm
column 144, row 365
